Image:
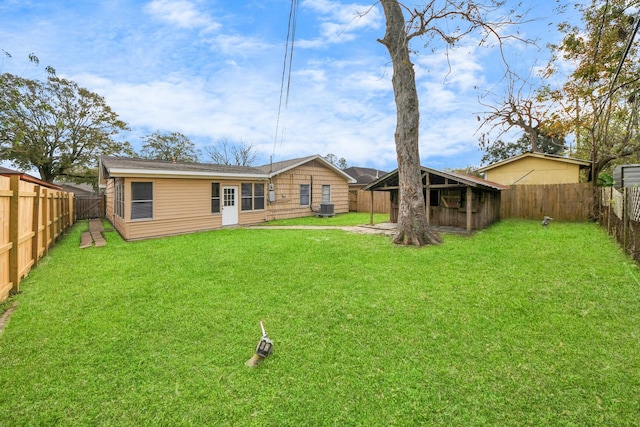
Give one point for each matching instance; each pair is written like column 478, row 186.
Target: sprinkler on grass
column 263, row 349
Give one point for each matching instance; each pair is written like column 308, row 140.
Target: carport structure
column 454, row 199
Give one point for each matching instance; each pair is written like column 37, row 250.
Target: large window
column 252, row 197
column 326, row 194
column 119, row 199
column 215, row 197
column 304, row 195
column 141, row 200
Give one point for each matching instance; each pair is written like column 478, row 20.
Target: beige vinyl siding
column 287, row 191
column 110, row 197
column 179, row 206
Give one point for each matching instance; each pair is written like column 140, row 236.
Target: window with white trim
column 326, row 194
column 304, row 195
column 215, row 197
column 118, row 203
column 258, row 196
column 252, row 196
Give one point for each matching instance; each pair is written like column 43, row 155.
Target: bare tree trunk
column 413, row 228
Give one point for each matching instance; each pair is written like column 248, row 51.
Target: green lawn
column 516, row 325
column 358, row 218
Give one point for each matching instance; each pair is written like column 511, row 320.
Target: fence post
column 625, row 212
column 14, row 234
column 35, row 224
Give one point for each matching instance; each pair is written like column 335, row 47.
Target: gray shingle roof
column 160, row 165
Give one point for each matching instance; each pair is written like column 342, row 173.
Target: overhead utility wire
column 625, row 53
column 287, row 64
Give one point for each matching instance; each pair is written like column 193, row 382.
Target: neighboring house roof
column 28, row 178
column 552, row 157
column 276, row 168
column 364, row 176
column 391, row 180
column 123, row 166
column 77, row 189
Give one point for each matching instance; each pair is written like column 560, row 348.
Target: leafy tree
column 340, row 163
column 500, row 150
column 170, row 146
column 55, row 126
column 449, row 22
column 599, row 100
column 228, row 153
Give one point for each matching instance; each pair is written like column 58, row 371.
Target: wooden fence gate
column 88, row 207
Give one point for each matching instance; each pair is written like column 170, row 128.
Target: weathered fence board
column 360, row 201
column 32, row 218
column 563, row 202
column 89, row 207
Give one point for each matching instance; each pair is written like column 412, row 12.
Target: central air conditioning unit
column 326, row 210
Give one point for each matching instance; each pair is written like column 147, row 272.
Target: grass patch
column 348, row 219
column 516, row 325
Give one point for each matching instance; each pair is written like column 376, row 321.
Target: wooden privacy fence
column 89, row 207
column 360, row 201
column 562, row 202
column 32, row 218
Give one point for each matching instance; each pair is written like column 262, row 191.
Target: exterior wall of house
column 179, row 206
column 286, row 187
column 532, row 171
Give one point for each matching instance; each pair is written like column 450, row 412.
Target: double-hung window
column 215, row 197
column 258, row 197
column 326, row 194
column 252, row 196
column 247, row 197
column 141, row 200
column 304, row 195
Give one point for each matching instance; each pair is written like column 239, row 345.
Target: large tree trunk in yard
column 413, row 228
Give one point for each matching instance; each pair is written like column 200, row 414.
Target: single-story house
column 364, row 201
column 454, row 199
column 152, row 198
column 535, row 168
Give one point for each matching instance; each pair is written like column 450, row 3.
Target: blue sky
column 212, row 70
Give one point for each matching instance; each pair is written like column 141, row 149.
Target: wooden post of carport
column 371, row 211
column 427, row 199
column 469, row 209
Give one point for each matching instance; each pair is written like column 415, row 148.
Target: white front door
column 229, row 206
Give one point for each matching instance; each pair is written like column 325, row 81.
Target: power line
column 287, row 65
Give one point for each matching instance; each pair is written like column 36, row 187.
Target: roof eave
column 158, row 173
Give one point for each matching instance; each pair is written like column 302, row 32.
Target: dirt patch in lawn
column 5, row 316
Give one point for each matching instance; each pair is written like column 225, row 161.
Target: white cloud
column 181, row 13
column 340, row 23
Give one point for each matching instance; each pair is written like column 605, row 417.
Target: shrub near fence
column 562, row 202
column 32, row 218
